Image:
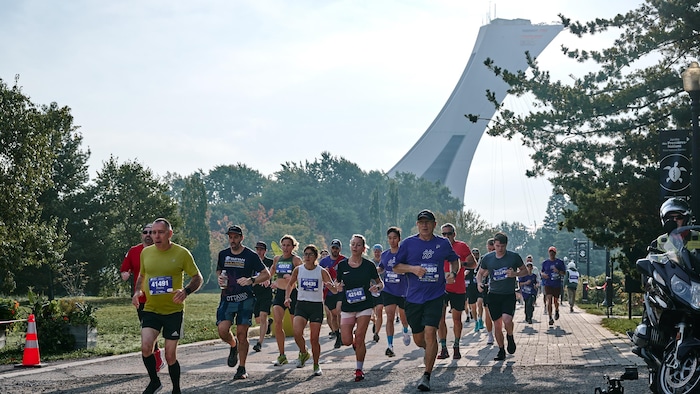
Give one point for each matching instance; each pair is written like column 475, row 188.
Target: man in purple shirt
column 421, row 257
column 553, row 271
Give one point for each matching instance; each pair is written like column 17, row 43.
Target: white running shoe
column 406, row 338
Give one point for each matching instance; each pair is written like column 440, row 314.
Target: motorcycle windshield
column 675, row 246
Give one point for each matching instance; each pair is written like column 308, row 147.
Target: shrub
column 8, row 311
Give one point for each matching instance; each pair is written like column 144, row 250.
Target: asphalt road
column 570, row 357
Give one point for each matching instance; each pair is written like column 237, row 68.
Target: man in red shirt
column 132, row 265
column 455, row 294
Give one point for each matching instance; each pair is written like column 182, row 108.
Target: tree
column 553, row 221
column 598, row 136
column 27, row 157
column 122, row 199
column 228, row 183
column 193, row 210
column 392, row 204
column 375, row 233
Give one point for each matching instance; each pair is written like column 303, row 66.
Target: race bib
column 500, row 273
column 284, row 268
column 431, row 272
column 309, row 284
column 355, row 295
column 526, row 289
column 237, row 297
column 573, row 278
column 392, row 277
column 467, row 282
column 554, row 276
column 160, row 285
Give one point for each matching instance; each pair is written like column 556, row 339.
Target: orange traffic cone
column 31, row 346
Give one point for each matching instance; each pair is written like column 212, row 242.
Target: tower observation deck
column 445, row 151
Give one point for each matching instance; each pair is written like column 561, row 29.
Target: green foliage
column 193, row 209
column 78, row 312
column 27, row 155
column 119, row 330
column 598, row 135
column 9, row 309
column 51, row 324
column 123, row 198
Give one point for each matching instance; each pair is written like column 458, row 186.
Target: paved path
column 576, row 347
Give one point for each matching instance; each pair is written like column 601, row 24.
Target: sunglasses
column 146, row 232
column 449, row 233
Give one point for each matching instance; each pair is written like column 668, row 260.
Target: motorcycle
column 668, row 337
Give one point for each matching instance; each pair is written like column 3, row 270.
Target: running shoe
column 303, row 358
column 153, row 387
column 338, row 342
column 376, row 337
column 389, row 352
column 160, row 363
column 359, row 375
column 443, row 354
column 317, row 370
column 501, row 355
column 511, row 344
column 456, row 355
column 331, row 334
column 281, row 360
column 240, row 373
column 232, row 357
column 257, row 347
column 556, row 315
column 406, row 338
column 489, row 340
column 424, row 384
column 551, row 321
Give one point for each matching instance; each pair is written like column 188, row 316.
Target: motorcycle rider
column 675, row 212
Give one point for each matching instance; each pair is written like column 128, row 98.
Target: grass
column 118, row 329
column 618, row 323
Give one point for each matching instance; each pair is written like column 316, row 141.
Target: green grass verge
column 118, row 329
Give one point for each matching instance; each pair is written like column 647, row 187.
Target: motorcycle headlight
column 690, row 293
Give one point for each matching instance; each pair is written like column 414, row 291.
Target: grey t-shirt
column 499, row 283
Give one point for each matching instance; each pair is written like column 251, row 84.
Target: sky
column 181, row 86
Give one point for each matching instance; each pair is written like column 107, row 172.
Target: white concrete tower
column 444, row 152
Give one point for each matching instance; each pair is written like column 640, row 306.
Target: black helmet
column 675, row 205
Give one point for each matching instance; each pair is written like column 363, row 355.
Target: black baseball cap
column 336, row 242
column 426, row 214
column 261, row 245
column 235, row 230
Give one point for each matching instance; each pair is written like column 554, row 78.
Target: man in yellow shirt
column 161, row 278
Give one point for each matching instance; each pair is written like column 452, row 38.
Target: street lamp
column 691, row 84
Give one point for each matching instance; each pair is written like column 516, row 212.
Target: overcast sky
column 184, row 85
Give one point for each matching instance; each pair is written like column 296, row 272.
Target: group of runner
column 416, row 279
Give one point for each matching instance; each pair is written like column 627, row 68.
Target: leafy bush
column 54, row 317
column 8, row 311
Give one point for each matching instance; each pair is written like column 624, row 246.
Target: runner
column 421, row 257
column 394, row 290
column 312, row 280
column 355, row 276
column 282, row 268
